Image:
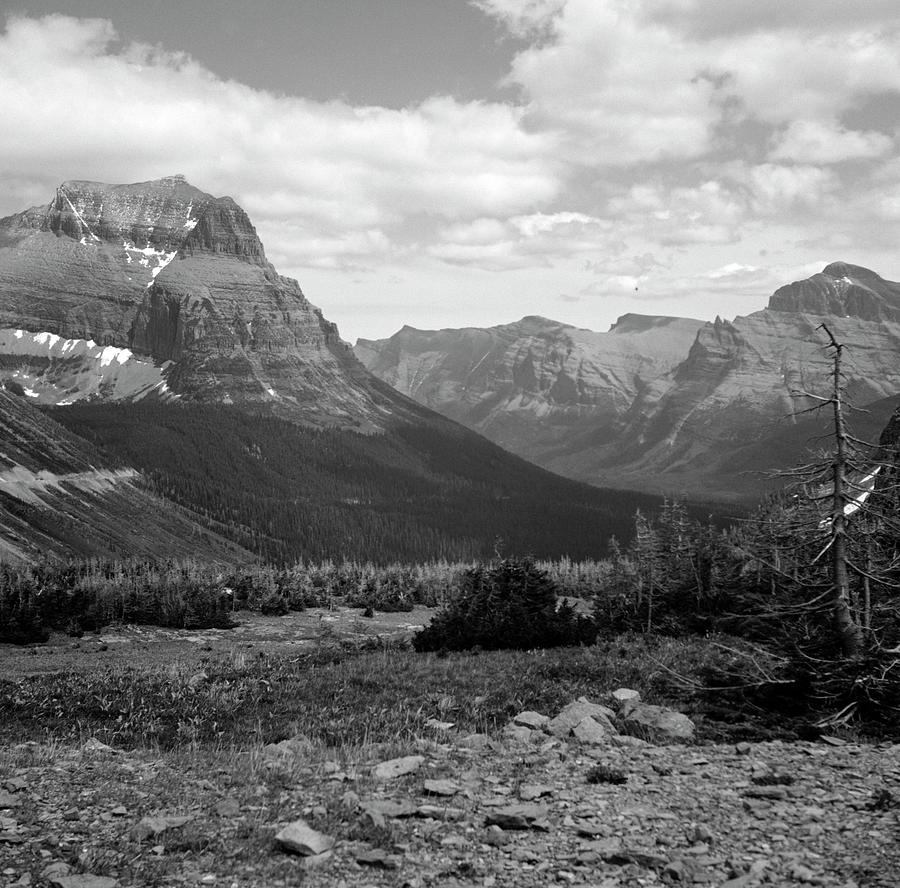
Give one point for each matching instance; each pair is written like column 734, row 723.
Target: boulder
column 398, row 767
column 531, row 719
column 517, row 733
column 624, row 695
column 300, row 838
column 590, row 731
column 657, row 721
column 573, row 714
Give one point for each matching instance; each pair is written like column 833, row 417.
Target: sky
column 448, row 163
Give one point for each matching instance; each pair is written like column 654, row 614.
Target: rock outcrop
column 181, row 280
column 660, row 404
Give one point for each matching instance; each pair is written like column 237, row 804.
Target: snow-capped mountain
column 180, row 280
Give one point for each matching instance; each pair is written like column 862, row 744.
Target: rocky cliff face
column 181, row 280
column 656, row 403
column 534, row 385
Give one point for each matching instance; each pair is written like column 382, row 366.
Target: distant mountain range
column 656, row 403
column 210, row 409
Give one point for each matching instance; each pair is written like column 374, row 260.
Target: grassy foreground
column 337, row 697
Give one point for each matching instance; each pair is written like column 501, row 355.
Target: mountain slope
column 534, row 385
column 61, row 497
column 423, row 490
column 669, row 407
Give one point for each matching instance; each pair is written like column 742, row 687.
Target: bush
column 509, row 604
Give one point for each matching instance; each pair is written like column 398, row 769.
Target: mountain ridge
column 670, row 425
column 146, row 319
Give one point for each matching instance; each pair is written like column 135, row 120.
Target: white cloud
column 519, row 241
column 663, row 144
column 817, row 141
column 75, row 104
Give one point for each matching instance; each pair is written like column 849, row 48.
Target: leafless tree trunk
column 848, row 630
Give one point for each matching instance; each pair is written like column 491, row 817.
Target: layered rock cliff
column 534, row 385
column 657, row 403
column 178, row 277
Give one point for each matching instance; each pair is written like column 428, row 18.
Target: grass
column 338, row 697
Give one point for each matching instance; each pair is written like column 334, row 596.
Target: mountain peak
column 843, row 290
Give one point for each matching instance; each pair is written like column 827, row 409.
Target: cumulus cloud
column 662, row 145
column 817, row 141
column 78, row 104
column 638, row 82
column 523, row 241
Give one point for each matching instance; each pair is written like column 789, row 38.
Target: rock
column 294, row 747
column 390, row 807
column 658, row 721
column 94, row 745
column 530, row 791
column 55, row 869
column 148, row 827
column 84, row 880
column 517, row 733
column 766, row 792
column 616, row 850
column 8, row 800
column 530, row 719
column 625, row 695
column 398, row 767
column 300, row 838
column 437, row 725
column 378, row 858
column 562, row 725
column 441, row 787
column 590, row 731
column 440, row 812
column 699, row 833
column 517, row 817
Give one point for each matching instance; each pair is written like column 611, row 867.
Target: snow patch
column 148, row 257
column 30, row 392
column 79, row 217
column 111, row 353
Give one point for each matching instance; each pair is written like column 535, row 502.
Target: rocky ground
column 538, row 804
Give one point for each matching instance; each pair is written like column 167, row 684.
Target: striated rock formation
column 179, row 277
column 657, row 403
column 535, row 385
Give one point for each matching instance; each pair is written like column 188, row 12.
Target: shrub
column 508, row 604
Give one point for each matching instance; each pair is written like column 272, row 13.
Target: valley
column 664, row 405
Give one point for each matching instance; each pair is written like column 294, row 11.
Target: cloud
column 79, row 104
column 816, row 141
column 645, row 82
column 537, row 239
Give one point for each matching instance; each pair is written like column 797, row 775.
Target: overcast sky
column 450, row 163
